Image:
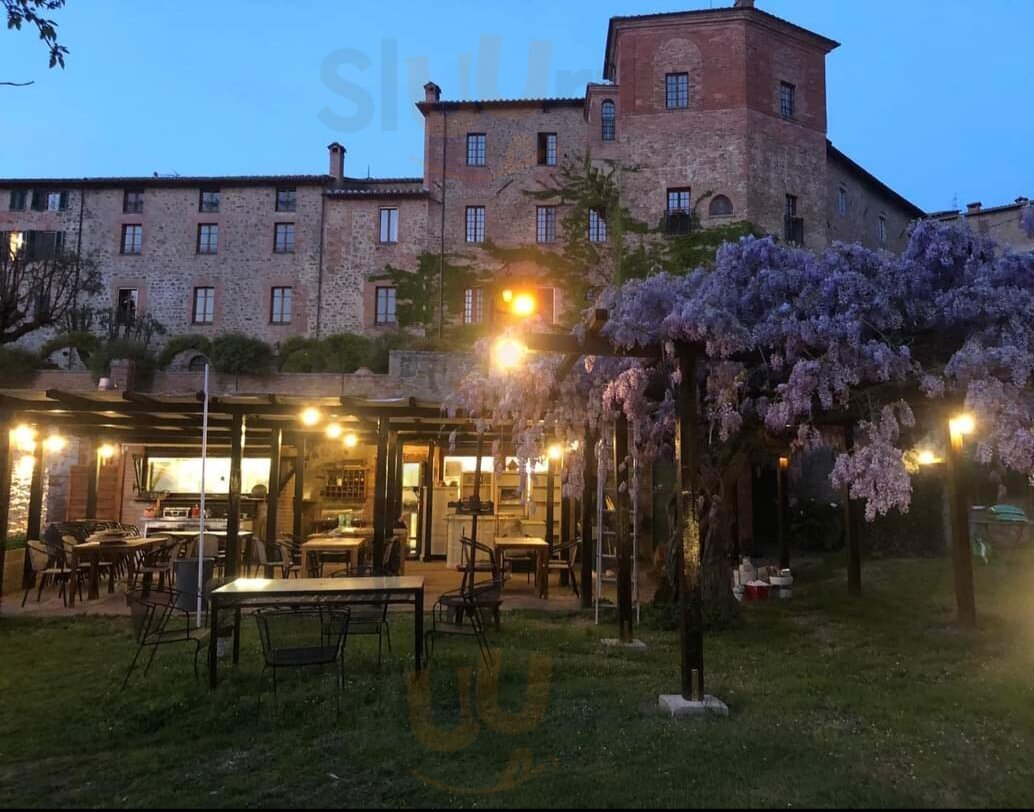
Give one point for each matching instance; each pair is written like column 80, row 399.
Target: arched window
column 608, row 128
column 720, row 206
column 197, row 363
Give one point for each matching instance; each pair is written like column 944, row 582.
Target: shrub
column 177, row 344
column 136, row 351
column 382, row 345
column 82, row 341
column 346, row 352
column 17, row 364
column 237, row 354
column 298, row 354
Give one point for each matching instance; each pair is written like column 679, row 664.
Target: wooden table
column 264, row 592
column 93, row 551
column 315, row 545
column 527, row 544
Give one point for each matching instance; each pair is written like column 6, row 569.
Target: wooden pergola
column 238, row 425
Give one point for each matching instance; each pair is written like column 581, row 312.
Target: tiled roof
column 836, row 155
column 570, row 101
column 703, row 12
column 172, row 180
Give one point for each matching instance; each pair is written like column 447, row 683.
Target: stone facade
column 1004, row 224
column 731, row 140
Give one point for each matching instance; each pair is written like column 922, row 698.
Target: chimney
column 1021, row 200
column 743, row 4
column 337, row 161
column 974, row 208
column 432, row 92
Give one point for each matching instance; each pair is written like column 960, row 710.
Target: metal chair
column 304, row 637
column 562, row 560
column 467, row 622
column 158, row 561
column 159, row 620
column 48, row 565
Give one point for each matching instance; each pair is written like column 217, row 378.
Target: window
column 44, row 245
column 49, row 201
column 678, row 200
column 676, row 91
column 389, row 225
column 473, row 305
column 545, row 224
column 597, row 227
column 133, row 201
column 280, row 306
column 19, row 197
column 126, row 305
column 547, row 305
column 883, row 228
column 547, row 149
column 208, row 238
column 475, row 223
column 475, row 149
column 720, row 206
column 384, row 306
column 787, row 99
column 794, row 225
column 283, row 238
column 204, row 305
column 209, row 200
column 132, row 239
column 608, row 121
column 842, row 201
column 678, row 217
column 286, row 199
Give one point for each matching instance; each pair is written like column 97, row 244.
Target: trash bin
column 186, row 583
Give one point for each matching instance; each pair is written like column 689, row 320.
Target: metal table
column 264, row 592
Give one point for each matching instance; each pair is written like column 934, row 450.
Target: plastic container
column 756, row 591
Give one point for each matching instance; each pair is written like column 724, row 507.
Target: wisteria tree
column 799, row 346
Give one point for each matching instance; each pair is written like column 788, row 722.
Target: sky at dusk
column 931, row 96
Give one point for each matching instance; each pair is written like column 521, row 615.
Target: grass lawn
column 834, row 702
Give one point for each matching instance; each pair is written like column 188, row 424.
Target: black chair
column 158, row 561
column 458, row 614
column 390, row 564
column 47, row 564
column 487, row 593
column 372, row 619
column 159, row 620
column 563, row 560
column 304, row 637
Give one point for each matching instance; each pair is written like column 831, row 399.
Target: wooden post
column 34, row 524
column 588, row 505
column 396, row 482
column 93, row 472
column 550, row 517
column 5, row 494
column 626, row 615
column 233, row 497
column 961, row 553
column 476, row 509
column 380, row 490
column 299, row 487
column 276, row 442
column 428, row 512
column 689, row 561
column 852, row 529
column 782, row 495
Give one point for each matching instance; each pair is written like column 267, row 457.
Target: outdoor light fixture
column 508, row 353
column 524, row 305
column 784, row 463
column 555, row 451
column 24, row 437
column 310, row 416
column 507, row 296
column 927, row 457
column 106, row 451
column 334, row 431
column 55, row 443
column 961, row 425
column 350, row 441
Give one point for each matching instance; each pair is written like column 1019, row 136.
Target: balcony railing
column 678, row 221
column 793, row 229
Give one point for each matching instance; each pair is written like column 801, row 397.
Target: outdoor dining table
column 351, row 544
column 270, row 593
column 527, row 544
column 93, row 551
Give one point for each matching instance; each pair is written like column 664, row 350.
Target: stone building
column 721, row 112
column 1011, row 224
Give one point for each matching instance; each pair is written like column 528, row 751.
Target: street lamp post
column 961, row 554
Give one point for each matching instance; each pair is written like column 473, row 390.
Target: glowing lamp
column 926, row 457
column 55, row 443
column 310, row 416
column 350, row 441
column 784, row 463
column 24, row 437
column 334, row 431
column 524, row 305
column 508, row 353
column 106, row 451
column 555, row 451
column 507, row 296
column 962, row 425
